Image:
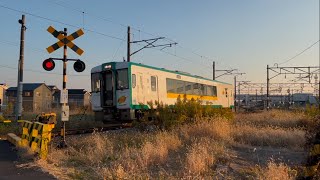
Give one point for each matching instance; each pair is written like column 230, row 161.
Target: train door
column 231, row 98
column 154, row 93
column 140, row 89
column 108, row 89
column 227, row 97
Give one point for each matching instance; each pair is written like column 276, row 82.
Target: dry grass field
column 267, row 145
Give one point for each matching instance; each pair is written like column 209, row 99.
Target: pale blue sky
column 246, row 34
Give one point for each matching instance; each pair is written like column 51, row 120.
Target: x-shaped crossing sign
column 65, row 40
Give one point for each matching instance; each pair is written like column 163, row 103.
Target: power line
column 300, row 53
column 36, row 71
column 17, row 45
column 136, row 29
column 93, row 31
column 63, row 23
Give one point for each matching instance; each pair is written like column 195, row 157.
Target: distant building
column 78, row 98
column 37, row 97
column 55, row 92
column 3, row 88
column 303, row 99
column 284, row 100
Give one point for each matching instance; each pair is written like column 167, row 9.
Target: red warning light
column 48, row 64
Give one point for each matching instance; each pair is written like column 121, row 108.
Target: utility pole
column 214, row 70
column 294, row 70
column 239, row 100
column 128, row 45
column 20, row 70
column 229, row 72
column 149, row 44
column 239, row 90
column 235, row 89
column 235, row 94
column 268, row 87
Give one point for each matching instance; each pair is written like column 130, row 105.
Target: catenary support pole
column 20, row 70
column 235, row 94
column 128, row 45
column 214, row 70
column 239, row 99
column 268, row 87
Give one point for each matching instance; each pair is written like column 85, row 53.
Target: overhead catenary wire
column 94, row 31
column 60, row 22
column 208, row 59
column 309, row 47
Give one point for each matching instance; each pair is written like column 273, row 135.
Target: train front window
column 95, row 82
column 122, row 79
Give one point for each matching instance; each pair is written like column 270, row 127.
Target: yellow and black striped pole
column 64, row 87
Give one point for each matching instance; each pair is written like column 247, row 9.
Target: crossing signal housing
column 79, row 66
column 48, row 64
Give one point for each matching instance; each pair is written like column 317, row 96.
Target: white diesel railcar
column 120, row 88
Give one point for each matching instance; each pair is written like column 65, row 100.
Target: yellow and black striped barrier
column 26, row 131
column 35, row 135
column 40, row 138
column 5, row 121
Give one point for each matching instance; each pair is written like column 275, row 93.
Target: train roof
column 162, row 69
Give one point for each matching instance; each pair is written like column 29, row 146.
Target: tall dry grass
column 276, row 171
column 188, row 151
column 270, row 136
column 276, row 118
column 132, row 154
column 275, row 128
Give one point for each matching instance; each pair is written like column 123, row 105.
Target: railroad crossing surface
column 9, row 160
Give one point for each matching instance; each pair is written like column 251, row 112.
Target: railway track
column 56, row 133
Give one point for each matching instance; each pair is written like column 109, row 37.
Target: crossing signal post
column 79, row 66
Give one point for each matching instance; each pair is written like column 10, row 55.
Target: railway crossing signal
column 48, row 64
column 65, row 40
column 79, row 66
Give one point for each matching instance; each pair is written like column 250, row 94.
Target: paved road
column 8, row 169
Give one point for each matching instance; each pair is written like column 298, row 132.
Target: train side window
column 153, row 83
column 188, row 88
column 210, row 90
column 95, row 82
column 134, row 81
column 196, row 89
column 201, row 90
column 180, row 87
column 214, row 91
column 171, row 85
column 122, row 79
